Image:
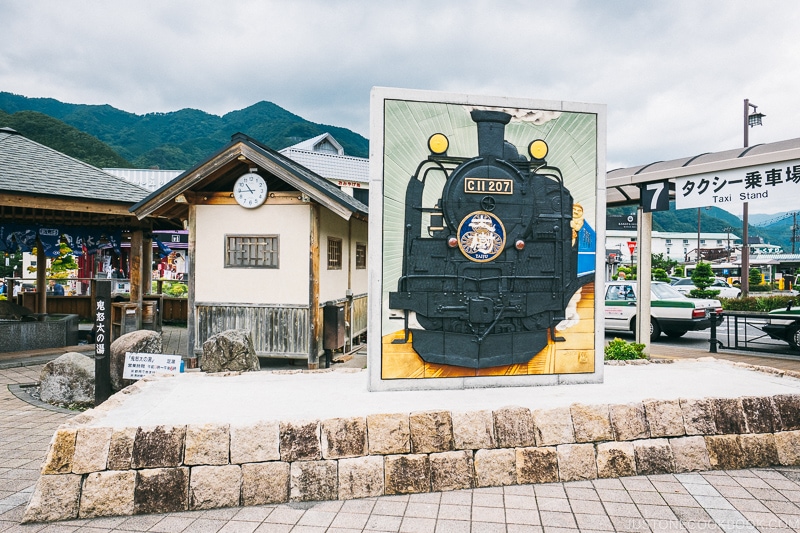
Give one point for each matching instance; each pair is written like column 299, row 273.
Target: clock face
column 250, row 190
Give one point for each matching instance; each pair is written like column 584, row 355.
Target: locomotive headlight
column 538, row 149
column 438, row 143
column 520, row 244
column 452, row 242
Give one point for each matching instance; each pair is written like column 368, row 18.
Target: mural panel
column 488, row 240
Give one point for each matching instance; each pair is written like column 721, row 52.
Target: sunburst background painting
column 572, row 138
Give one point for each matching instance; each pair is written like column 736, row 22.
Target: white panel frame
column 378, row 96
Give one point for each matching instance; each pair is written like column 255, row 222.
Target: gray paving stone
column 614, row 496
column 453, row 512
column 595, row 522
column 513, row 501
column 422, row 510
column 557, row 519
column 453, row 526
column 553, row 504
column 383, row 523
column 587, row 507
column 417, row 525
column 522, row 516
column 488, row 514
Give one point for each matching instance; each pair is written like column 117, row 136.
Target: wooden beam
column 314, row 315
column 41, row 279
column 191, row 272
column 61, row 204
column 135, row 273
column 226, row 198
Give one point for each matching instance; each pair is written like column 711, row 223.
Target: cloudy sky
column 673, row 74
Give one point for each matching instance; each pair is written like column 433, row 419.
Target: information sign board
column 139, row 365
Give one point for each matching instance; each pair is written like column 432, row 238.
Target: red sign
column 632, row 246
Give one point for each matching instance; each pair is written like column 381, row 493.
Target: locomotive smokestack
column 491, row 130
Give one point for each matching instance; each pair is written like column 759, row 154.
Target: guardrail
column 743, row 331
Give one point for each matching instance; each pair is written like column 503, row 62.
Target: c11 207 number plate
column 488, row 185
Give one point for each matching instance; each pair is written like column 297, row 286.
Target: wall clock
column 250, row 190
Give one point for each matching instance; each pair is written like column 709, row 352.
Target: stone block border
column 100, row 471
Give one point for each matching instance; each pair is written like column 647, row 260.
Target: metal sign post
column 102, row 340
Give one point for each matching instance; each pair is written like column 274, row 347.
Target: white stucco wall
column 333, row 283
column 359, row 278
column 287, row 284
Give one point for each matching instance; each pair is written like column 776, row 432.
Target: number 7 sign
column 654, row 196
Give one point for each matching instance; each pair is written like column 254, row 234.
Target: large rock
column 68, row 379
column 141, row 341
column 229, row 351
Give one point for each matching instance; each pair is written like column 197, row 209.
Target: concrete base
column 54, row 331
column 200, row 441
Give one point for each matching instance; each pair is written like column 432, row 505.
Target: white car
column 726, row 290
column 670, row 311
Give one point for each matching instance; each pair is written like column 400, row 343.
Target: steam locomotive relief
column 487, row 272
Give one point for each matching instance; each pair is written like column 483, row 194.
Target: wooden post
column 135, row 274
column 191, row 252
column 101, row 294
column 41, row 279
column 314, row 318
column 147, row 263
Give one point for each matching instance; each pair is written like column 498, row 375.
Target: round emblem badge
column 481, row 236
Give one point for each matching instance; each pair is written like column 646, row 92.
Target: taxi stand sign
column 757, row 184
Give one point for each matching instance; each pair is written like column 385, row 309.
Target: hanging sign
column 654, row 196
column 758, row 184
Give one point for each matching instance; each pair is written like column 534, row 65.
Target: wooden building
column 270, row 243
column 46, row 196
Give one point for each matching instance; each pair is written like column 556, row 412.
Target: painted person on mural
column 583, row 233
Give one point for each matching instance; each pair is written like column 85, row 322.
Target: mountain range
column 179, row 139
column 105, row 137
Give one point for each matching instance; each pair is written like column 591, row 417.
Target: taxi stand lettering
column 748, row 184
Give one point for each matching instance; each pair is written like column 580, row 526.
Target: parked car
column 670, row 311
column 726, row 290
column 784, row 325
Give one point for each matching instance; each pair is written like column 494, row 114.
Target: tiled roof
column 311, row 145
column 29, row 167
column 146, row 178
column 331, row 166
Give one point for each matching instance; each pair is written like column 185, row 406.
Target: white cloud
column 673, row 74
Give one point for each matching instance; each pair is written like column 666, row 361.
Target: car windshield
column 684, row 281
column 663, row 291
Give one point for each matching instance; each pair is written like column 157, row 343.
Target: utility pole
column 749, row 121
column 698, row 235
column 794, row 229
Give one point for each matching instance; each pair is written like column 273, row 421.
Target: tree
column 703, row 277
column 754, row 278
column 662, row 262
column 659, row 274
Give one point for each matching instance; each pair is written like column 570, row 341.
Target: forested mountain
column 181, row 139
column 59, row 136
column 104, row 136
column 775, row 229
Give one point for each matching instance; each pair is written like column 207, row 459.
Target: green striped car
column 670, row 311
column 784, row 325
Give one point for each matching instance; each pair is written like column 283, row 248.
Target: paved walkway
column 745, row 500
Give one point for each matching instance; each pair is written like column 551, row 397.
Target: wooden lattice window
column 334, row 253
column 361, row 255
column 251, row 251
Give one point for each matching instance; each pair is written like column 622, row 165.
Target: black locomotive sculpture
column 488, row 272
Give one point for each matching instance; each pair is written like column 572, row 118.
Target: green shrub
column 706, row 294
column 760, row 304
column 619, row 350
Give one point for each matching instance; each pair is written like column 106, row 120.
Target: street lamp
column 750, row 120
